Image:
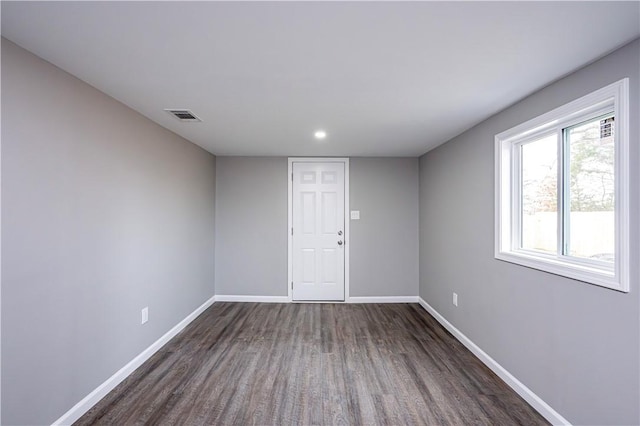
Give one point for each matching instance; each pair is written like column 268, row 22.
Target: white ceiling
column 383, row 79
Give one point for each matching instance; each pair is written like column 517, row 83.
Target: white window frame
column 614, row 97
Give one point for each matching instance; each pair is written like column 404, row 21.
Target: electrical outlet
column 455, row 299
column 145, row 315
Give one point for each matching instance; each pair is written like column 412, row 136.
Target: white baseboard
column 384, row 299
column 527, row 394
column 285, row 299
column 98, row 393
column 258, row 299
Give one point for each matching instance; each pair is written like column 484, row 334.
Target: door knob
column 340, row 242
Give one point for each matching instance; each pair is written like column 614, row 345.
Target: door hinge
column 291, row 177
column 291, row 231
column 291, row 285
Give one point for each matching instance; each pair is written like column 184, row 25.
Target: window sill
column 584, row 273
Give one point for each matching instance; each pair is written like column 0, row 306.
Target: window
column 562, row 190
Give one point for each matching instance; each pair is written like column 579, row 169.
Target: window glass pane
column 591, row 194
column 540, row 194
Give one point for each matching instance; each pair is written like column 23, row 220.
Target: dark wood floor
column 299, row 364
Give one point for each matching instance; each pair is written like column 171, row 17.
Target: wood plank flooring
column 313, row 364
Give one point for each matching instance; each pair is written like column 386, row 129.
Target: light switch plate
column 355, row 214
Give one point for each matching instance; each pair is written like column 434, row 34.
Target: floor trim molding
column 384, row 299
column 98, row 393
column 252, row 299
column 527, row 394
column 285, row 299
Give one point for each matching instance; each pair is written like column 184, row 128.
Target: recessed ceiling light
column 320, row 134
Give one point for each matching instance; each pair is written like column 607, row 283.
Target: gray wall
column 251, row 226
column 575, row 345
column 103, row 213
column 384, row 242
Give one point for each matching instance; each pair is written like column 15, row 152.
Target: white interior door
column 318, row 254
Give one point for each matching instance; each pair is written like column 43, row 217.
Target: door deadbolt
column 339, row 232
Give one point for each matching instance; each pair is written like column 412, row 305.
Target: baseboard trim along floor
column 251, row 299
column 384, row 299
column 92, row 399
column 285, row 299
column 527, row 394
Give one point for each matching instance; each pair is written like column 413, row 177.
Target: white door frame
column 347, row 234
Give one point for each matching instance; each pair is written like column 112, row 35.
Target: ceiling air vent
column 183, row 114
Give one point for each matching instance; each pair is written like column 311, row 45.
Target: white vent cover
column 183, row 114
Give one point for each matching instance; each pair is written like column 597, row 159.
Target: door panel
column 308, row 266
column 318, row 231
column 329, row 209
column 308, row 213
column 329, row 266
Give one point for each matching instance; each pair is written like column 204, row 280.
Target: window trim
column 507, row 224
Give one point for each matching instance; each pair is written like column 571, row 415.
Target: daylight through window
column 562, row 190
